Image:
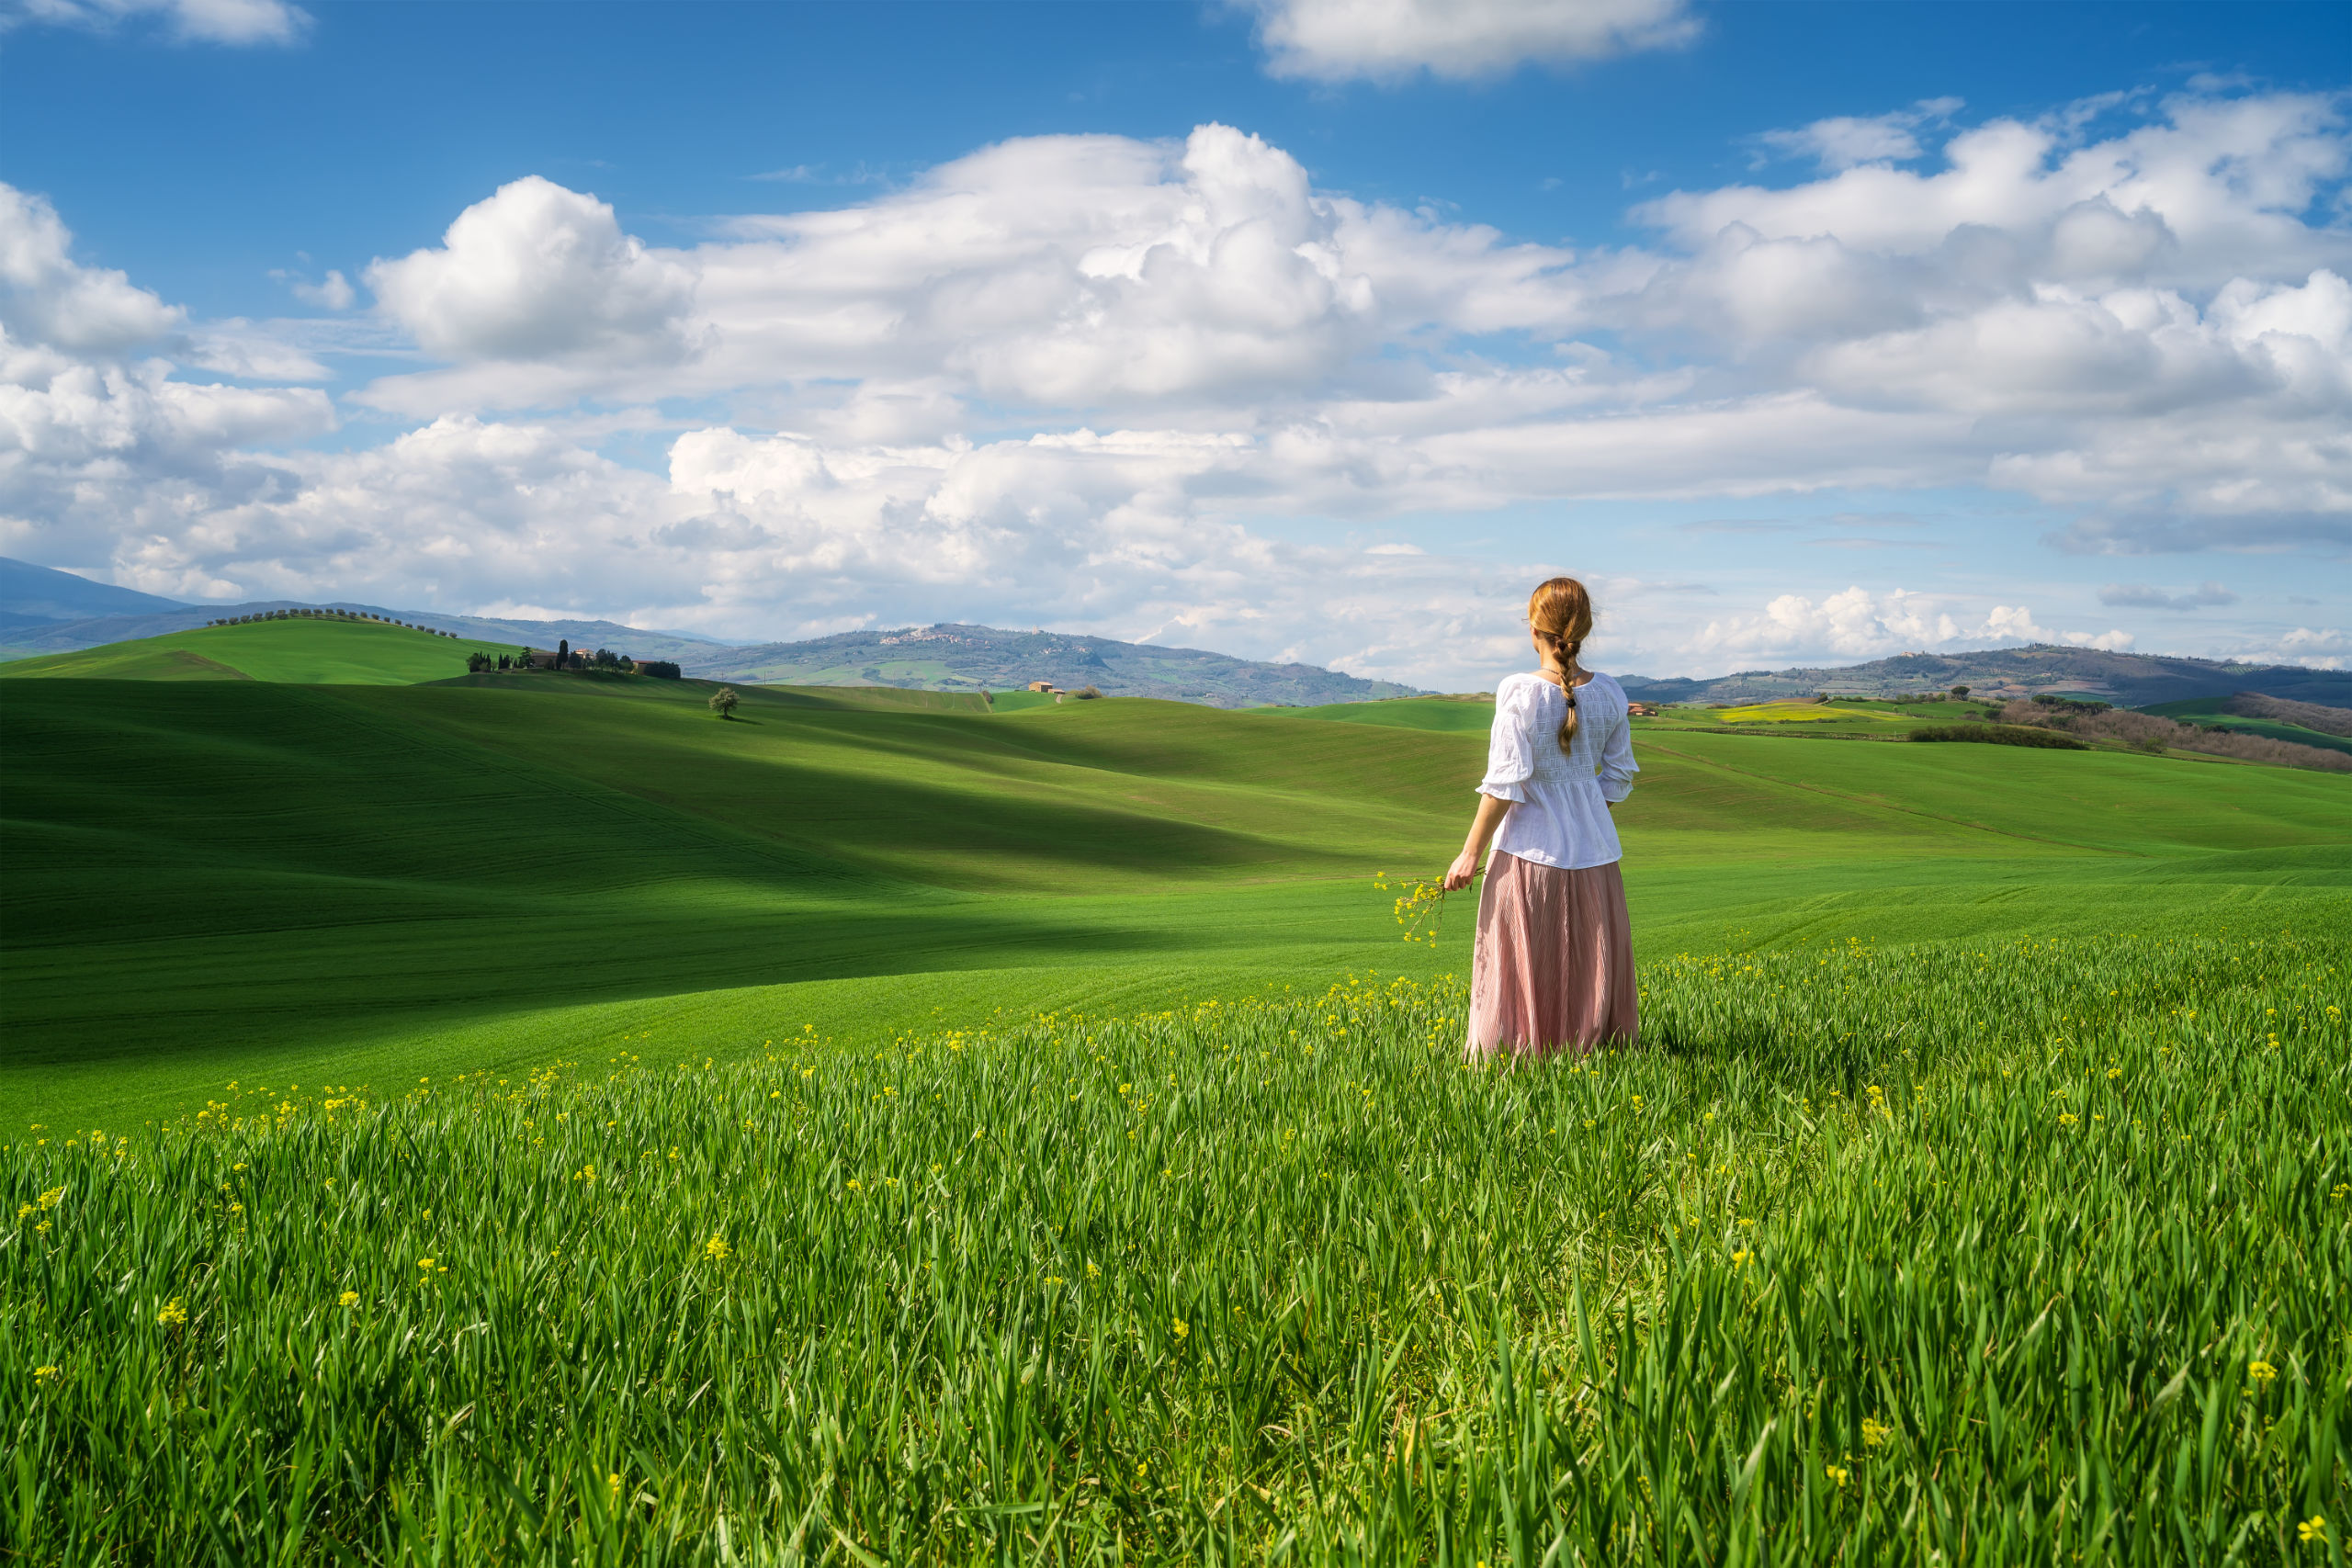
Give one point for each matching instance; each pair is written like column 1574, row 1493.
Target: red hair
column 1560, row 612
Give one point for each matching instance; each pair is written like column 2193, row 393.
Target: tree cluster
column 566, row 656
column 310, row 614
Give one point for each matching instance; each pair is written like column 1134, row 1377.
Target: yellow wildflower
column 348, row 1298
column 42, row 1374
column 2312, row 1530
column 716, row 1249
column 2261, row 1372
column 173, row 1314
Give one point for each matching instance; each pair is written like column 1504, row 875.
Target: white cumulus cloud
column 537, row 272
column 1857, row 624
column 97, row 442
column 46, row 297
column 1112, row 383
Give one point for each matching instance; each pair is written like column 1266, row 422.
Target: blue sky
column 1308, row 328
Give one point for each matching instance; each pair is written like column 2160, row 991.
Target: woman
column 1553, row 965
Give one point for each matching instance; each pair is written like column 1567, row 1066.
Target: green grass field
column 1435, row 715
column 1858, row 716
column 544, row 1122
column 2005, row 1251
column 385, row 881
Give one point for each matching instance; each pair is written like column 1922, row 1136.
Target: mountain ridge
column 46, row 611
column 2126, row 680
column 955, row 656
column 43, row 610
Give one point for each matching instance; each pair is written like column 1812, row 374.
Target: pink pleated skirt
column 1552, row 968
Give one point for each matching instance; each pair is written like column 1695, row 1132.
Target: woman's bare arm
column 1464, row 868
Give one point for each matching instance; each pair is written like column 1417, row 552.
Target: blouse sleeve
column 1511, row 756
column 1617, row 764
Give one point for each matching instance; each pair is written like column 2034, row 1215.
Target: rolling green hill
column 310, row 652
column 211, row 878
column 1434, row 715
column 1884, row 720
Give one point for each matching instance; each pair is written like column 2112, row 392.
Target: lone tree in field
column 1960, row 694
column 723, row 701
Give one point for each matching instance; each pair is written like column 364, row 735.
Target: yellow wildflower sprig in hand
column 1420, row 906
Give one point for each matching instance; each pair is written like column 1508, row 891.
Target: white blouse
column 1560, row 801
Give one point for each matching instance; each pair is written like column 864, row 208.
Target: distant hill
column 48, row 612
column 45, row 611
column 29, row 593
column 304, row 652
column 965, row 658
column 635, row 641
column 2127, row 680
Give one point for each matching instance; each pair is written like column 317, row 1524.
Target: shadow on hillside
column 132, row 1000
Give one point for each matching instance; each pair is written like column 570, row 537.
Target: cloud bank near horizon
column 1108, row 383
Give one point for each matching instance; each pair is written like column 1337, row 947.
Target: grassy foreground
column 1990, row 1253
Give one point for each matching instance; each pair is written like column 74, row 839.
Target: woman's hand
column 1464, row 869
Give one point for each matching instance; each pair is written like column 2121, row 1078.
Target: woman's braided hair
column 1560, row 610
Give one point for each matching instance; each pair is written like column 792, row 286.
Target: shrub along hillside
column 2153, row 731
column 2249, row 712
column 2334, row 721
column 1999, row 735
